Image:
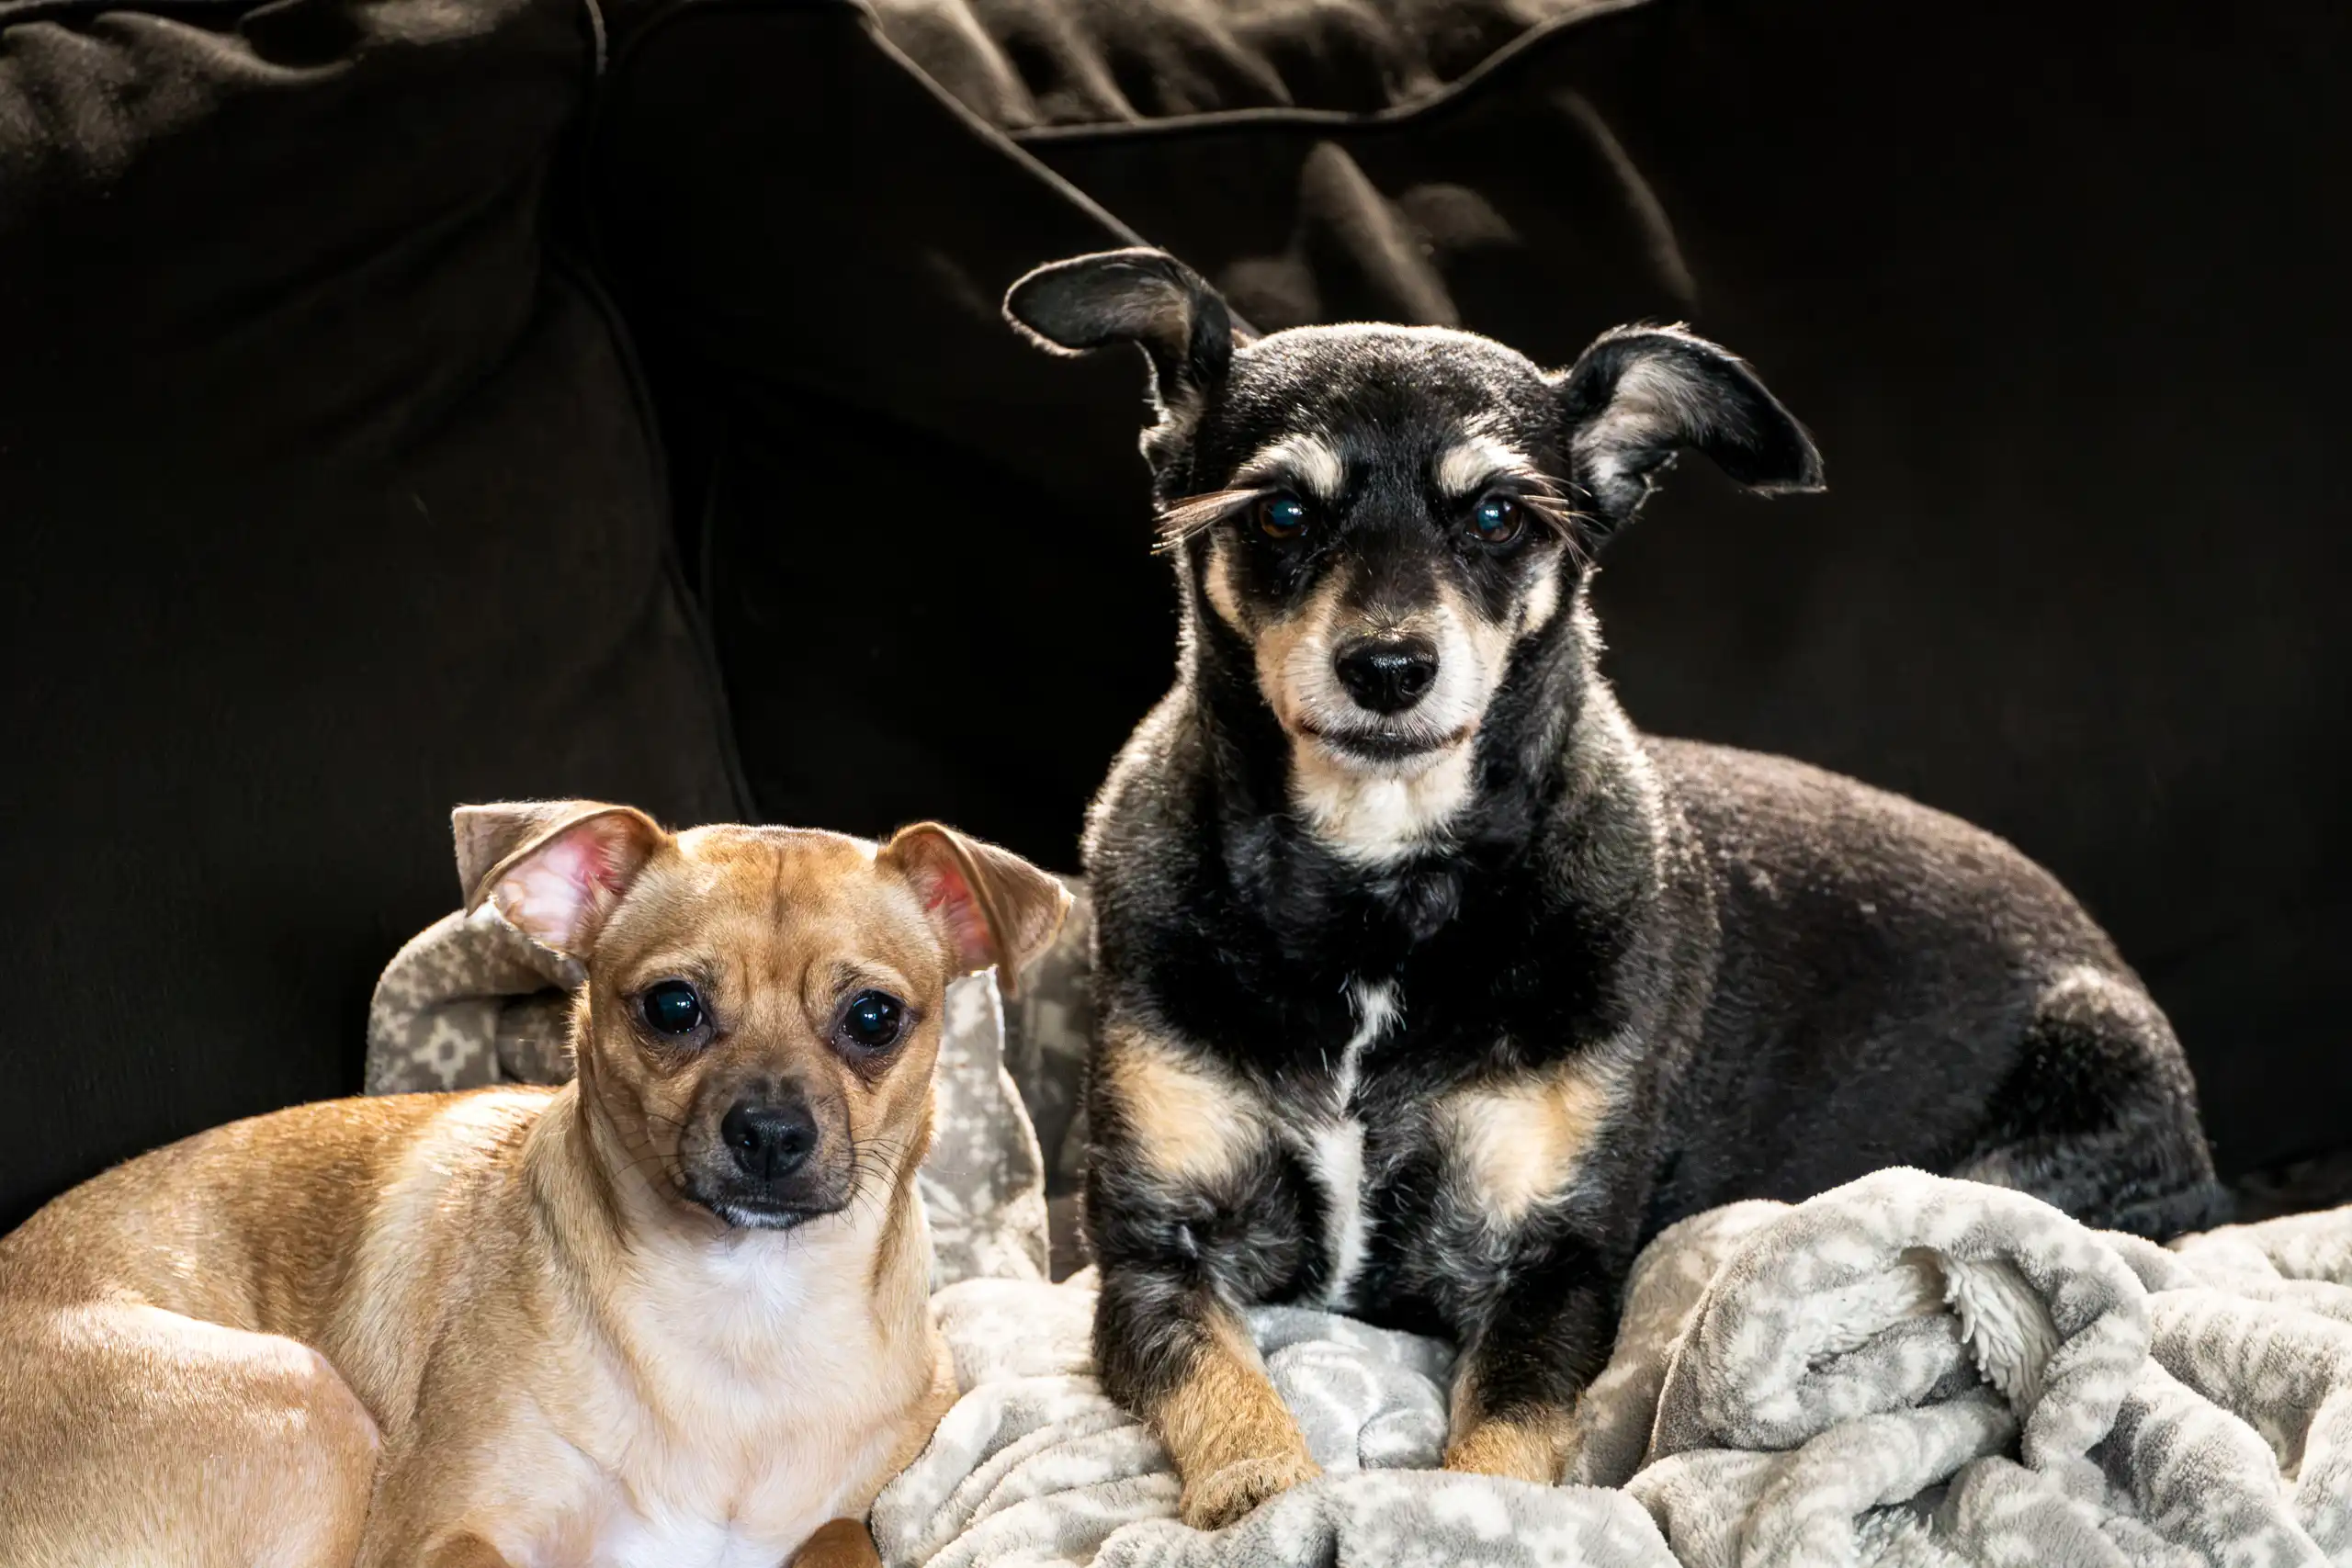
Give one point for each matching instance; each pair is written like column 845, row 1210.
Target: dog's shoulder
column 1154, row 864
column 1145, row 812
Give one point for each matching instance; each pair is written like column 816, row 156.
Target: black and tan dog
column 1430, row 986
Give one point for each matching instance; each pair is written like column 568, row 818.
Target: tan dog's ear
column 991, row 907
column 486, row 835
column 554, row 868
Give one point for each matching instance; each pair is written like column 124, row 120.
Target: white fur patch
column 1301, row 458
column 663, row 1537
column 1376, row 818
column 763, row 1350
column 1333, row 1145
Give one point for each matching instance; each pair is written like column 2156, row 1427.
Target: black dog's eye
column 672, row 1007
column 873, row 1021
column 1496, row 520
column 1281, row 517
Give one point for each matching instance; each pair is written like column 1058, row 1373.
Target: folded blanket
column 1908, row 1370
column 1035, row 1465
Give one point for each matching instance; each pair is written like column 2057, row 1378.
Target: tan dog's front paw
column 844, row 1543
column 1523, row 1450
column 1218, row 1499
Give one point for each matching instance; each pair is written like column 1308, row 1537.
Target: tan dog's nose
column 769, row 1141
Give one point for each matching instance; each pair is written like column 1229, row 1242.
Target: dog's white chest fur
column 769, row 1407
column 669, row 1539
column 1331, row 1142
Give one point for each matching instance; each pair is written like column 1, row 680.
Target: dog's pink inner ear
column 557, row 894
column 989, row 906
column 948, row 899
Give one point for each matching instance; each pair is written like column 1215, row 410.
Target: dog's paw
column 1522, row 1450
column 1216, row 1500
column 844, row 1543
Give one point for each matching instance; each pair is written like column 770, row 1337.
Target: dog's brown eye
column 873, row 1021
column 1281, row 517
column 1497, row 519
column 672, row 1007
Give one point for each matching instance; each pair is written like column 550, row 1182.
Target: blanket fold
column 1909, row 1370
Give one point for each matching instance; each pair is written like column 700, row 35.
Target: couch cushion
column 1020, row 64
column 330, row 504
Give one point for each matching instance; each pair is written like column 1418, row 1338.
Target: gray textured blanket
column 1908, row 1370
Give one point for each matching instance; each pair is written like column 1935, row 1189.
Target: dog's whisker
column 1561, row 517
column 1180, row 520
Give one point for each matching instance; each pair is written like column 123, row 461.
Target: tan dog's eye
column 672, row 1007
column 873, row 1021
column 1282, row 516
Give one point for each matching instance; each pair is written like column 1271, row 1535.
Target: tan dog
column 674, row 1313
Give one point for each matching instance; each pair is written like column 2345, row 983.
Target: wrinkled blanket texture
column 1908, row 1370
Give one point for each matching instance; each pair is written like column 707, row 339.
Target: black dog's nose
column 770, row 1141
column 1387, row 675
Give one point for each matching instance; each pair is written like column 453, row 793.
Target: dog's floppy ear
column 555, row 868
column 990, row 905
column 1144, row 296
column 1639, row 395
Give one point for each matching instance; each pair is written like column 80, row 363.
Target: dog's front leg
column 1172, row 1351
column 1545, row 1339
column 1189, row 1218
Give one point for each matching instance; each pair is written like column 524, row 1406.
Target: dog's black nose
column 1387, row 675
column 770, row 1141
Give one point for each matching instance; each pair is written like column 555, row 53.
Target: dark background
column 397, row 409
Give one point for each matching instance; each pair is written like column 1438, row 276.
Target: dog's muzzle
column 764, row 1170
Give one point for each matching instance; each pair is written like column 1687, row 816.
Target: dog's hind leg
column 2098, row 1114
column 130, row 1434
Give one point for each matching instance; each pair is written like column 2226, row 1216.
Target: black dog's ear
column 1641, row 394
column 1143, row 297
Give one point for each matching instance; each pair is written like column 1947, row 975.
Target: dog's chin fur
column 754, row 1217
column 1385, row 750
column 1376, row 810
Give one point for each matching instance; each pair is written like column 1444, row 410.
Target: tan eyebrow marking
column 1298, row 460
column 1478, row 460
column 1308, row 461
